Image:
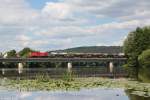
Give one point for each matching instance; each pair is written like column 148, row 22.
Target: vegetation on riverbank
column 135, row 45
column 47, row 84
column 144, row 62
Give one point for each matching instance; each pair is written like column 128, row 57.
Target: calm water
column 84, row 94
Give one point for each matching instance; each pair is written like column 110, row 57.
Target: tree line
column 137, row 48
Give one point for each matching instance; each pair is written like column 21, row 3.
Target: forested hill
column 93, row 49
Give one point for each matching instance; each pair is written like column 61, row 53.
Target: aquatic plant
column 70, row 83
column 68, row 76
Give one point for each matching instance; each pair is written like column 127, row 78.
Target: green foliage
column 11, row 53
column 136, row 42
column 42, row 78
column 25, row 52
column 68, row 76
column 144, row 61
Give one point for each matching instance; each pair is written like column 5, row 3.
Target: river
column 83, row 94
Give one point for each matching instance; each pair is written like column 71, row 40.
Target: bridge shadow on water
column 59, row 72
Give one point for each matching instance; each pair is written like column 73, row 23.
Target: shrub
column 144, row 61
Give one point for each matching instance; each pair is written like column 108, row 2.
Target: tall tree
column 11, row 54
column 25, row 52
column 136, row 42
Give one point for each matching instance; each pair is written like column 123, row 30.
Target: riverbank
column 135, row 87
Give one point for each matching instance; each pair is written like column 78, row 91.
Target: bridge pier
column 69, row 65
column 111, row 67
column 20, row 68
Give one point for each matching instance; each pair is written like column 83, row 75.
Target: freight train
column 74, row 55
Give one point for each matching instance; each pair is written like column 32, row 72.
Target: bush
column 144, row 61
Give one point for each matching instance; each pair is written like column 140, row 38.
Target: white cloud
column 56, row 10
column 23, row 38
column 128, row 25
column 77, row 31
column 60, row 23
column 16, row 12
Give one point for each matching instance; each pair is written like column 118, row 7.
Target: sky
column 57, row 24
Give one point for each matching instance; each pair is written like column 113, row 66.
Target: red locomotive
column 38, row 54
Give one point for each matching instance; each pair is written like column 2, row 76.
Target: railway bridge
column 111, row 61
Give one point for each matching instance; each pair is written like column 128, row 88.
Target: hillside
column 93, row 49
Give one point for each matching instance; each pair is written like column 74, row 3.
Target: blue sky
column 38, row 4
column 58, row 24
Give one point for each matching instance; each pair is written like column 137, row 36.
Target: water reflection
column 135, row 97
column 84, row 94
